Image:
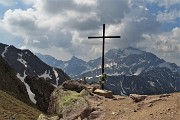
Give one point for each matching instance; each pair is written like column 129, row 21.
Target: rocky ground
column 155, row 107
column 133, row 107
column 73, row 101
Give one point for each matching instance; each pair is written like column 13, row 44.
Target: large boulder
column 73, row 85
column 78, row 86
column 104, row 93
column 68, row 104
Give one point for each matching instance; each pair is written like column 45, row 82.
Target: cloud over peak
column 64, row 25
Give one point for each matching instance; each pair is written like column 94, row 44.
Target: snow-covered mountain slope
column 129, row 61
column 24, row 62
column 129, row 70
column 30, row 90
column 155, row 81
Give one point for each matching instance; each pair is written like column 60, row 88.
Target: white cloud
column 31, row 25
column 165, row 42
column 64, row 25
column 165, row 3
column 168, row 42
column 86, row 2
column 168, row 16
column 20, row 22
column 166, row 45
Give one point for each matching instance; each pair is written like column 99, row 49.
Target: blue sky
column 60, row 27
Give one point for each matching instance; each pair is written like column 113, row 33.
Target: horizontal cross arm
column 112, row 36
column 104, row 37
column 95, row 37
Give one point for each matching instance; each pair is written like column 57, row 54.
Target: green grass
column 13, row 109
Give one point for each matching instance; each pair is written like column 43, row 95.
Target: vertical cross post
column 103, row 46
column 103, row 79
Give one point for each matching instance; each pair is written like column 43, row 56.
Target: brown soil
column 13, row 109
column 155, row 107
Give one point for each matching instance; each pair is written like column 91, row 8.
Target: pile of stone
column 76, row 101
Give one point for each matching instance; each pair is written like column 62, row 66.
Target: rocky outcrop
column 74, row 100
column 104, row 93
column 73, row 85
column 78, row 86
column 68, row 104
column 137, row 98
column 42, row 88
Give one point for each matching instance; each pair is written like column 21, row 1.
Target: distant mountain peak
column 131, row 50
column 76, row 59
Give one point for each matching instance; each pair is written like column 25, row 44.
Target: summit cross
column 103, row 75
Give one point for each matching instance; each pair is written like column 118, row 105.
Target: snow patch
column 173, row 86
column 165, row 64
column 20, row 54
column 30, row 93
column 107, row 65
column 22, row 61
column 111, row 84
column 89, row 78
column 56, row 75
column 98, row 75
column 99, row 67
column 111, row 64
column 115, row 74
column 121, row 85
column 139, row 70
column 5, row 50
column 151, row 83
column 45, row 75
column 88, row 69
column 65, row 65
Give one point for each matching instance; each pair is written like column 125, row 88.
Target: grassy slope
column 12, row 108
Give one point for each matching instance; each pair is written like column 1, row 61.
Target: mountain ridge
column 135, row 66
column 24, row 65
column 25, row 62
column 116, row 57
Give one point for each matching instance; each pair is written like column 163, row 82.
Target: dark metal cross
column 103, row 75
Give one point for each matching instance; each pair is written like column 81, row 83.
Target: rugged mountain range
column 24, row 62
column 129, row 70
column 24, row 75
column 129, row 61
column 73, row 67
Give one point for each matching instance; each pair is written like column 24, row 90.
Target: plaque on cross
column 104, row 36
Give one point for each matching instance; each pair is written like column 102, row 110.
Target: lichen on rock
column 69, row 104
